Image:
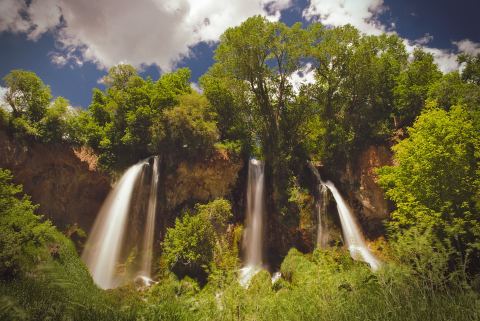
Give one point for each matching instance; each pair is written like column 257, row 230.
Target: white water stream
column 149, row 230
column 104, row 244
column 351, row 230
column 253, row 237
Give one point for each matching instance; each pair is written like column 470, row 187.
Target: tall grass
column 324, row 285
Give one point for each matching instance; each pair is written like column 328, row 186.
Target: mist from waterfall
column 103, row 247
column 253, row 237
column 351, row 230
column 148, row 238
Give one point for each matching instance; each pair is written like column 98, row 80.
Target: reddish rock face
column 202, row 181
column 69, row 189
column 363, row 192
column 370, row 195
column 62, row 181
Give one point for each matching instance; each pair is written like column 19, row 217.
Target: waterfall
column 254, row 225
column 351, row 231
column 321, row 205
column 104, row 244
column 148, row 237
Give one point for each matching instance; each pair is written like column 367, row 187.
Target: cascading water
column 148, row 237
column 321, row 205
column 254, row 224
column 351, row 231
column 103, row 247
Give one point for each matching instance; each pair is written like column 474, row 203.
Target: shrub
column 436, row 183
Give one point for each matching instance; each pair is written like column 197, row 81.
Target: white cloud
column 196, row 87
column 3, row 103
column 423, row 40
column 162, row 32
column 58, row 60
column 445, row 59
column 143, row 32
column 44, row 15
column 10, row 17
column 362, row 14
column 305, row 75
column 467, row 46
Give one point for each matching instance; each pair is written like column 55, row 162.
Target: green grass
column 324, row 285
column 321, row 286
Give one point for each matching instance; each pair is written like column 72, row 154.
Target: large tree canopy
column 354, row 89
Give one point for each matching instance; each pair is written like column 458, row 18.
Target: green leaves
column 127, row 122
column 190, row 247
column 27, row 95
column 186, row 131
column 23, row 238
column 412, row 87
column 355, row 77
column 436, row 182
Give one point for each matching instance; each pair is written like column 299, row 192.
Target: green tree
column 23, row 237
column 412, row 87
column 471, row 70
column 27, row 95
column 119, row 123
column 54, row 125
column 227, row 99
column 453, row 90
column 436, row 182
column 355, row 76
column 197, row 239
column 119, row 76
column 185, row 131
column 260, row 56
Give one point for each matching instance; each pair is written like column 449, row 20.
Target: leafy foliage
column 33, row 114
column 198, row 240
column 324, row 285
column 24, row 239
column 436, row 183
column 186, row 131
column 27, row 95
column 119, row 122
column 412, row 87
column 471, row 72
column 354, row 90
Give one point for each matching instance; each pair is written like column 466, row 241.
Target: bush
column 188, row 247
column 199, row 242
column 436, row 183
column 24, row 239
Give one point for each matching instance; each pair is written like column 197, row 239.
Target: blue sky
column 70, row 44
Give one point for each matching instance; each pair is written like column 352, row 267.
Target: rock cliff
column 62, row 180
column 365, row 196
